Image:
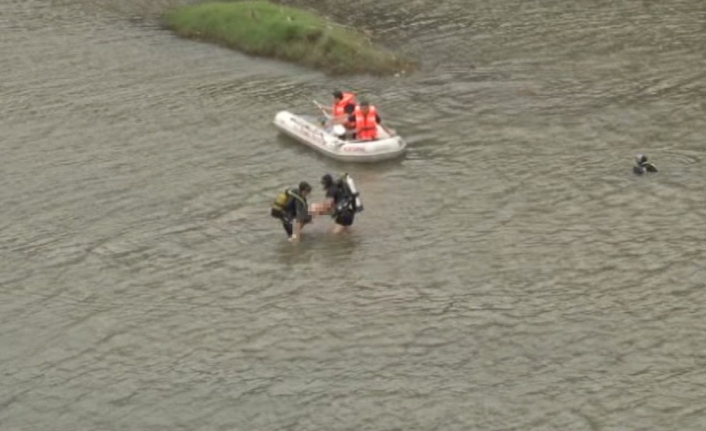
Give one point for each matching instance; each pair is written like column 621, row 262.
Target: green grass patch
column 260, row 28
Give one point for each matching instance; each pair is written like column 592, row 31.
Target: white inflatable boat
column 329, row 139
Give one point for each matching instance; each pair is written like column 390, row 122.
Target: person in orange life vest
column 366, row 119
column 343, row 104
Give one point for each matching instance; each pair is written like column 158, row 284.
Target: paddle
column 323, row 109
column 390, row 132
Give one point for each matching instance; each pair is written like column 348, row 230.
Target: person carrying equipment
column 292, row 209
column 342, row 201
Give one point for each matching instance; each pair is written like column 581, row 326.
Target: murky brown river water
column 509, row 273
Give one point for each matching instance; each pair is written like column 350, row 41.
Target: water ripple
column 509, row 273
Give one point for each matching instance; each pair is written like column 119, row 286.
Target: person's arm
column 297, row 231
column 340, row 118
column 301, row 217
column 379, row 121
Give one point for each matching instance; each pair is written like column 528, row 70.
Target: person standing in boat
column 291, row 206
column 366, row 119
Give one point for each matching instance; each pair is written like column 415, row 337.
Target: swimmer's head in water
column 642, row 165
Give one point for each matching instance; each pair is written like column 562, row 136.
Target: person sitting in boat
column 343, row 104
column 643, row 165
column 366, row 119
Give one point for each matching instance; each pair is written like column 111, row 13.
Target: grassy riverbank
column 264, row 29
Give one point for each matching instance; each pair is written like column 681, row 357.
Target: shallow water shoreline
column 286, row 33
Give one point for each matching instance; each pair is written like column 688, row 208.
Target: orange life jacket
column 366, row 126
column 338, row 107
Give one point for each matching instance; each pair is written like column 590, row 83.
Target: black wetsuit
column 644, row 167
column 343, row 201
column 296, row 209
